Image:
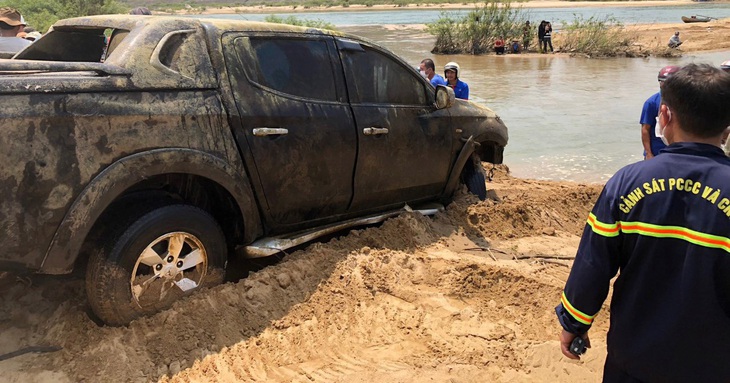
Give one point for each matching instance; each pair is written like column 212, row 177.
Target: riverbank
column 381, row 7
column 465, row 296
column 696, row 37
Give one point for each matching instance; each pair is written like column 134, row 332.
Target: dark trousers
column 614, row 374
column 544, row 44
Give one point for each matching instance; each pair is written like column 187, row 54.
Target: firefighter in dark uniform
column 665, row 225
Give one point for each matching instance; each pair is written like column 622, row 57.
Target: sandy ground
column 710, row 36
column 465, row 296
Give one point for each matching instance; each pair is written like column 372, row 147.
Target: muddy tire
column 473, row 177
column 152, row 259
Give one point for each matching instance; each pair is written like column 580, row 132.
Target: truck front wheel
column 473, row 177
column 142, row 267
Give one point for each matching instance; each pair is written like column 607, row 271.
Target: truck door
column 295, row 127
column 405, row 143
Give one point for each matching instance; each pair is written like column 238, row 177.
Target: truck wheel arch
column 126, row 172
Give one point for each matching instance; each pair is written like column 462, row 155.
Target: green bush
column 476, row 31
column 597, row 37
column 291, row 20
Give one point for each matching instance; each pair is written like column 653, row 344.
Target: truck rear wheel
column 142, row 267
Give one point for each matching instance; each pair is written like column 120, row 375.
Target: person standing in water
column 451, row 72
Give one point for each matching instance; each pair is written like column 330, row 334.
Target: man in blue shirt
column 429, row 70
column 664, row 226
column 652, row 144
column 461, row 89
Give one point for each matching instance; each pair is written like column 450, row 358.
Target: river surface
column 627, row 15
column 568, row 118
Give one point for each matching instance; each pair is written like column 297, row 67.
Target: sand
column 465, row 296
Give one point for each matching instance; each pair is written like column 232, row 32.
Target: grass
column 317, row 23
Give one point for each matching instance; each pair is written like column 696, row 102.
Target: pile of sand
column 465, row 296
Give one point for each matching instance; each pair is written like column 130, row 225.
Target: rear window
column 78, row 45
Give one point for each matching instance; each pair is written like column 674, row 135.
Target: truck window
column 293, row 66
column 72, row 45
column 373, row 77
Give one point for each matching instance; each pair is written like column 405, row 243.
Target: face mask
column 422, row 73
column 659, row 131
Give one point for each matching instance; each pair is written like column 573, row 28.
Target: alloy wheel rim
column 173, row 263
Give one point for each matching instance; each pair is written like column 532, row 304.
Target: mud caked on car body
column 150, row 159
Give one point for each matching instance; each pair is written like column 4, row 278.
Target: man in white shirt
column 674, row 41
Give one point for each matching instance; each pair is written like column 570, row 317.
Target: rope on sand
column 27, row 350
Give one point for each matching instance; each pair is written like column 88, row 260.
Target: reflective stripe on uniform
column 604, row 229
column 659, row 231
column 689, row 235
column 575, row 313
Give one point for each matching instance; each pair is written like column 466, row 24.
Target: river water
column 568, row 118
column 627, row 15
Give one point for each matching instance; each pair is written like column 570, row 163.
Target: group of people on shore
column 544, row 40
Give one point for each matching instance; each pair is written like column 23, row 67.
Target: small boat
column 696, row 19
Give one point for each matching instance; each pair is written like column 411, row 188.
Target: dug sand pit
column 465, row 296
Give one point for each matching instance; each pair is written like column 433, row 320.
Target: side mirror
column 444, row 97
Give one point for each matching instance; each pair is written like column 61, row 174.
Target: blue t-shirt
column 461, row 90
column 437, row 80
column 648, row 116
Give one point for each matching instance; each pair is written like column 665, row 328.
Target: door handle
column 263, row 132
column 371, row 131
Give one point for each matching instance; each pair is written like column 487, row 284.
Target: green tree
column 41, row 14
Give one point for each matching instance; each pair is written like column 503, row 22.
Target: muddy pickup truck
column 149, row 150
